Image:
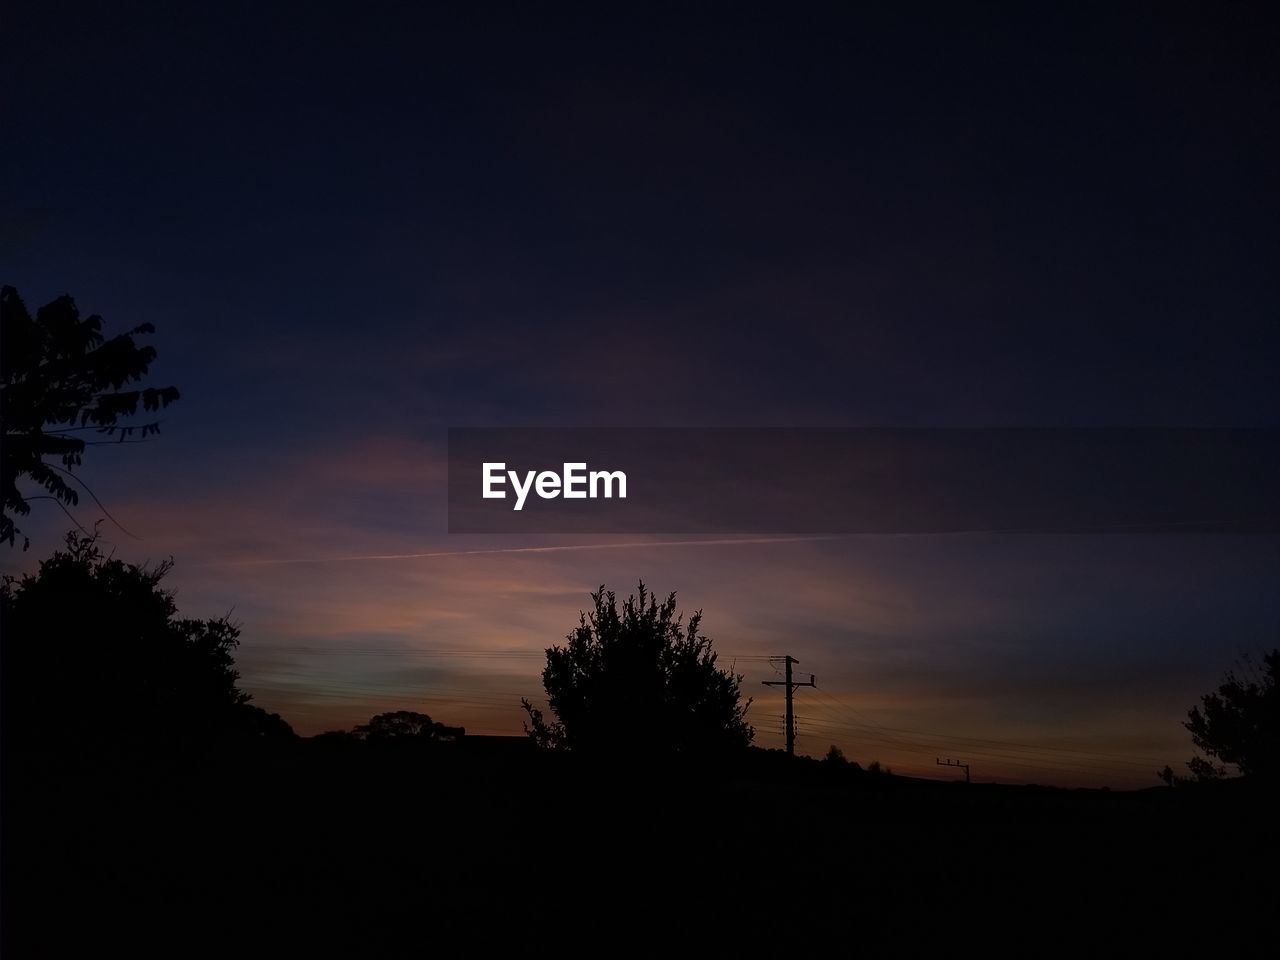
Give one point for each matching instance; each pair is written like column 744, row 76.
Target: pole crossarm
column 954, row 763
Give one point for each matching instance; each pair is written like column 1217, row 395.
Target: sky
column 356, row 226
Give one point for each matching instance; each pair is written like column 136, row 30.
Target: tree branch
column 64, row 510
column 95, row 498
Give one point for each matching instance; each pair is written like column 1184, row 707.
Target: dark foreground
column 371, row 852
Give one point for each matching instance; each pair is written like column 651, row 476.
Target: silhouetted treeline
column 156, row 810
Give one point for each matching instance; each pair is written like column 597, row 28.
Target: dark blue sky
column 967, row 217
column 356, row 225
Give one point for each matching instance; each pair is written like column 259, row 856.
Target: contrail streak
column 559, row 548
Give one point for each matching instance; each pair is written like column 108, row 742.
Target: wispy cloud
column 551, row 548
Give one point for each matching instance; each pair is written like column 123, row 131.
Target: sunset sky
column 355, row 233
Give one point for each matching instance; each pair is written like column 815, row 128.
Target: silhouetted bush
column 639, row 680
column 95, row 657
column 1239, row 725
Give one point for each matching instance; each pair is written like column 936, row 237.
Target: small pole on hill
column 790, row 686
column 954, row 763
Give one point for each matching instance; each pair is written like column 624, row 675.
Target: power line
column 926, row 749
column 1010, row 754
column 1092, row 755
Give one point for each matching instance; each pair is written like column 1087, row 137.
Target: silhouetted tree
column 835, row 756
column 60, row 372
column 1239, row 724
column 406, row 725
column 639, row 679
column 94, row 656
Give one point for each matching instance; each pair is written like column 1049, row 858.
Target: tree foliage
column 61, row 379
column 405, row 725
column 638, row 679
column 95, row 656
column 1239, row 724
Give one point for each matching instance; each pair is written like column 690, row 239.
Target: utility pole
column 790, row 686
column 954, row 763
